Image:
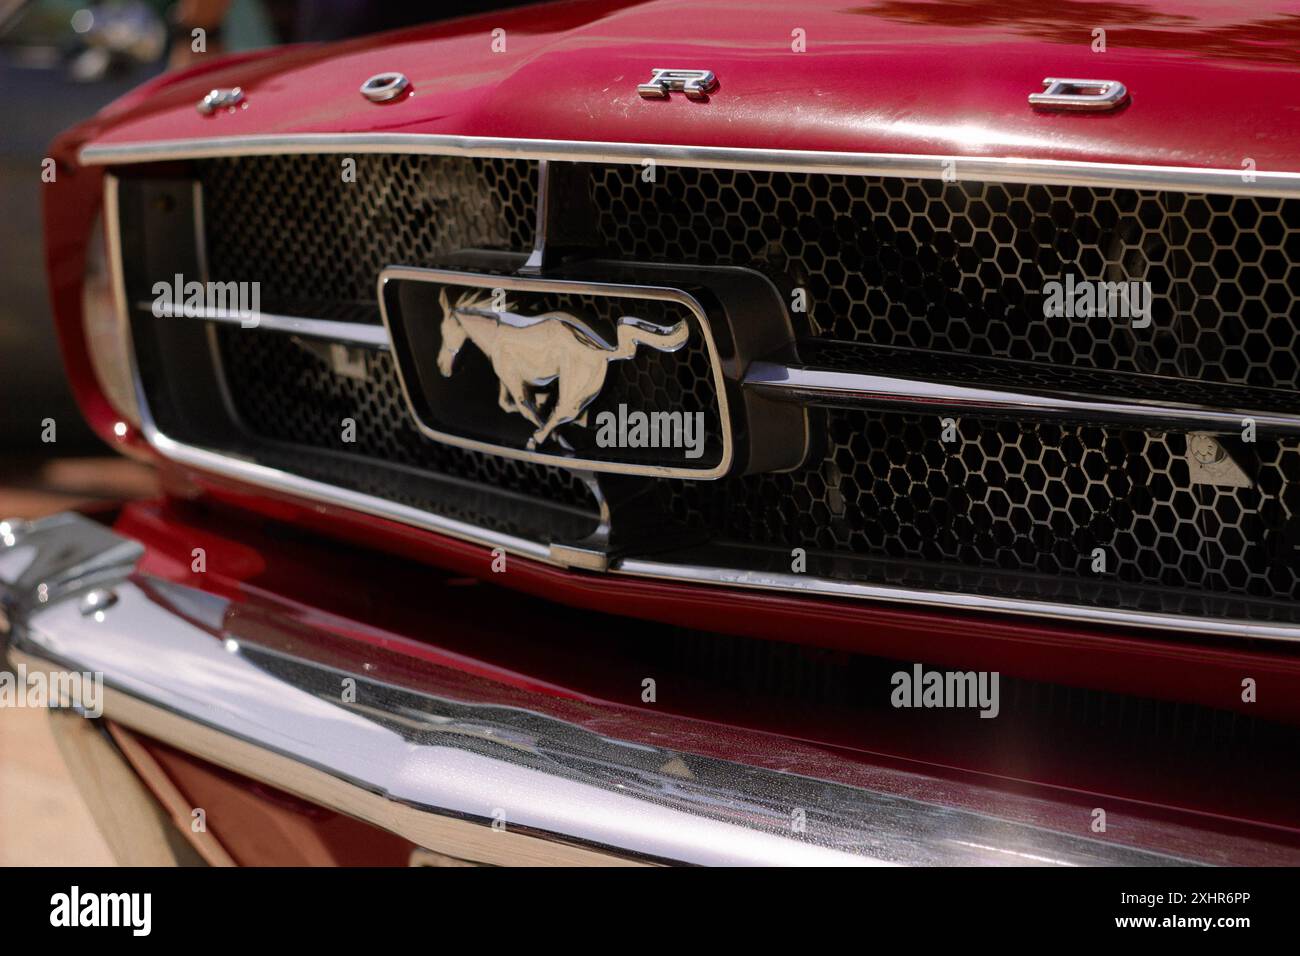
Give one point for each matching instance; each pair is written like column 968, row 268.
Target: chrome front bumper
column 445, row 764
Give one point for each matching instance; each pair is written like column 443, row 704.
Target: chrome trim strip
column 827, row 587
column 990, row 169
column 436, row 757
column 275, row 480
column 117, row 285
column 541, row 219
column 609, row 290
column 805, row 384
column 352, row 333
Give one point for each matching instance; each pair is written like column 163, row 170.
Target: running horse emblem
column 532, row 352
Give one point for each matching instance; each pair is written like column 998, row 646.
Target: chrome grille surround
column 1261, row 625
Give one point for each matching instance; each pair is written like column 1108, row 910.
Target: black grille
column 900, row 274
column 781, row 674
column 316, row 240
column 1024, row 497
column 289, row 391
column 317, row 243
column 959, row 267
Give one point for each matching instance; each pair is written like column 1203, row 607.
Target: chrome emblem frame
column 580, row 353
column 696, row 84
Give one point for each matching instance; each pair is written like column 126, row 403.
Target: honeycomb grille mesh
column 290, row 392
column 959, row 267
column 317, row 243
column 948, row 268
column 1020, row 497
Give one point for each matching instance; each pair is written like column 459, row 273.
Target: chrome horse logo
column 531, row 352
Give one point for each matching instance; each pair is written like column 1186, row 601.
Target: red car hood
column 1212, row 83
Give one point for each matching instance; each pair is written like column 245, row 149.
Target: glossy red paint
column 71, row 204
column 948, row 77
column 1212, row 83
column 416, row 628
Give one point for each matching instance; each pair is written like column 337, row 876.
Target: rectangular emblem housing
column 591, row 376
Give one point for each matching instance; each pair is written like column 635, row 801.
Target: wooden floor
column 43, row 820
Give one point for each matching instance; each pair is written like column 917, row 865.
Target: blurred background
column 60, row 62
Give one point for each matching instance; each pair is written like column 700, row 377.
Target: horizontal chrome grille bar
column 994, row 169
column 273, row 478
column 348, row 333
column 811, row 385
column 812, row 585
column 806, row 384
